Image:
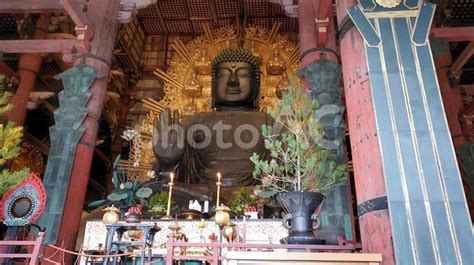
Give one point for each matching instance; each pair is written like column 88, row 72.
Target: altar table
column 258, row 231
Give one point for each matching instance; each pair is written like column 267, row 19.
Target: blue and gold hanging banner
column 428, row 210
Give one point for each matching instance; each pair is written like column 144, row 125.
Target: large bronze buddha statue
column 221, row 140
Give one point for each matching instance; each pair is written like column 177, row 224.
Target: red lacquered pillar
column 374, row 221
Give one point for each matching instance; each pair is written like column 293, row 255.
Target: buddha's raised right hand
column 168, row 140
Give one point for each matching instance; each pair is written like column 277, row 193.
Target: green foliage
column 296, row 163
column 10, row 179
column 158, row 203
column 10, row 139
column 239, row 201
column 126, row 192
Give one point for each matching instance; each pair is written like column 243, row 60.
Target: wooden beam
column 74, row 9
column 463, row 57
column 454, row 34
column 96, row 185
column 102, row 156
column 6, row 70
column 42, row 147
column 43, row 46
column 469, row 89
column 30, row 6
column 59, row 60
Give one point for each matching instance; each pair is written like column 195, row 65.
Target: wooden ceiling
column 184, row 17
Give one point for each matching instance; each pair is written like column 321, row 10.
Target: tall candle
column 218, row 188
column 168, row 209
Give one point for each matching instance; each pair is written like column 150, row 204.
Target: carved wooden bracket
column 127, row 11
column 322, row 30
column 76, row 12
column 291, row 9
column 467, row 122
column 84, row 37
column 322, row 11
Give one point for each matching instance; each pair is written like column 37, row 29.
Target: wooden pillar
column 374, row 222
column 451, row 95
column 126, row 102
column 28, row 68
column 103, row 15
column 308, row 33
column 428, row 215
column 307, row 36
column 453, row 105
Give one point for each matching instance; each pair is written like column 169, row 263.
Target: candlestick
column 218, row 184
column 170, row 184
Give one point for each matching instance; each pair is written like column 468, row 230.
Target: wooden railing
column 34, row 245
column 266, row 253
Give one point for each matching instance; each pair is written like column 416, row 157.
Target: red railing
column 34, row 245
column 171, row 244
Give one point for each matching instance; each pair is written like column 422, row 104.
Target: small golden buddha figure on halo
column 190, row 109
column 276, row 64
column 193, row 87
column 254, row 51
column 203, row 66
column 282, row 85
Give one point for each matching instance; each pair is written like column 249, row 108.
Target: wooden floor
column 275, row 258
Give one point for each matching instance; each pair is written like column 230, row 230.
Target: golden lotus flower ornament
column 111, row 215
column 222, row 216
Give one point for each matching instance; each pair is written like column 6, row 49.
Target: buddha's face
column 235, row 83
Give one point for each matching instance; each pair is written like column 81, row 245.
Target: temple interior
column 237, row 132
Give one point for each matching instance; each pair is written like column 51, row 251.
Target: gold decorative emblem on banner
column 30, row 157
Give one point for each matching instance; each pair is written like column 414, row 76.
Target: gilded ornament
column 29, row 157
column 263, row 42
column 203, row 65
column 187, row 83
column 283, row 85
column 193, row 87
column 388, row 3
column 111, row 215
column 276, row 65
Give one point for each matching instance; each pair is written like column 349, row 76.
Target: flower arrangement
column 136, row 210
column 240, row 202
column 133, row 214
column 296, row 162
column 158, row 203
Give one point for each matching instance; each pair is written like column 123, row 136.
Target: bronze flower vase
column 300, row 207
